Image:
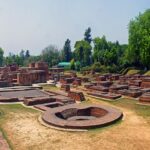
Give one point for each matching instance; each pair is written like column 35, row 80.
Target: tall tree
column 18, row 60
column 22, row 57
column 100, row 45
column 139, row 40
column 22, row 53
column 27, row 54
column 87, row 35
column 67, row 51
column 1, row 56
column 106, row 52
column 72, row 64
column 83, row 52
column 51, row 55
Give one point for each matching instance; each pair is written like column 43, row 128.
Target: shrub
column 72, row 64
column 96, row 67
column 78, row 66
column 87, row 68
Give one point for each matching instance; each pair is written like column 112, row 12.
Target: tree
column 100, row 46
column 87, row 35
column 18, row 60
column 139, row 40
column 72, row 64
column 106, row 52
column 8, row 60
column 51, row 55
column 22, row 55
column 27, row 54
column 32, row 59
column 1, row 56
column 78, row 66
column 67, row 51
column 96, row 67
column 83, row 52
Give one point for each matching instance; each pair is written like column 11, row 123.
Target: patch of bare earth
column 26, row 133
column 3, row 143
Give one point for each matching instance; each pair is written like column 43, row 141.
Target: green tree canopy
column 27, row 54
column 72, row 64
column 1, row 56
column 87, row 35
column 51, row 55
column 83, row 52
column 139, row 40
column 100, row 45
column 67, row 51
column 106, row 52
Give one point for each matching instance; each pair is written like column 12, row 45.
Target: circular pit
column 81, row 116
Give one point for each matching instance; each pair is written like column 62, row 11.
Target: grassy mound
column 147, row 73
column 133, row 71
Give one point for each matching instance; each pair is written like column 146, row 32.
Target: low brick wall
column 38, row 100
column 99, row 88
column 145, row 98
column 105, row 95
column 77, row 96
column 5, row 100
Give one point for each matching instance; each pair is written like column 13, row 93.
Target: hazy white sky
column 35, row 24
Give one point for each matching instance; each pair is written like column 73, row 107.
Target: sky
column 35, row 24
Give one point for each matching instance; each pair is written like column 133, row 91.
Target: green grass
column 147, row 73
column 133, row 71
column 132, row 105
column 50, row 87
column 5, row 109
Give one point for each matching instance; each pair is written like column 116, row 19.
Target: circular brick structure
column 81, row 116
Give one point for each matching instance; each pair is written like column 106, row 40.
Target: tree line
column 96, row 53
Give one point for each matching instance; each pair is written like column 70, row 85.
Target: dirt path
column 3, row 143
column 26, row 133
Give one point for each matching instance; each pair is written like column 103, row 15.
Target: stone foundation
column 81, row 116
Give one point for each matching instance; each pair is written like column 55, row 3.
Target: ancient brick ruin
column 81, row 116
column 107, row 86
column 13, row 75
column 77, row 96
column 145, row 98
column 113, row 86
column 59, row 106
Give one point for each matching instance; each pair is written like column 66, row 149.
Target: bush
column 112, row 69
column 87, row 68
column 77, row 66
column 103, row 69
column 72, row 64
column 96, row 67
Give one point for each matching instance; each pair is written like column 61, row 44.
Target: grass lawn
column 133, row 71
column 147, row 73
column 132, row 105
column 50, row 87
